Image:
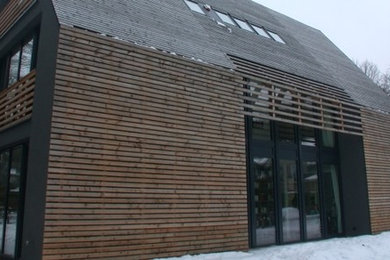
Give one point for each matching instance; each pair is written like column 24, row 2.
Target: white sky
column 360, row 28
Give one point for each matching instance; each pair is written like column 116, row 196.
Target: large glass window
column 12, row 166
column 289, row 196
column 312, row 200
column 261, row 129
column 332, row 200
column 294, row 184
column 286, row 133
column 264, row 200
column 19, row 62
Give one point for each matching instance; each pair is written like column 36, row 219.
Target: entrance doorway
column 294, row 187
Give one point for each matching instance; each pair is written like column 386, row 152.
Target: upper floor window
column 261, row 31
column 244, row 25
column 225, row 18
column 19, row 62
column 276, row 37
column 194, row 6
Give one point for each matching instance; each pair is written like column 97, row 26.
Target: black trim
column 299, row 153
column 37, row 129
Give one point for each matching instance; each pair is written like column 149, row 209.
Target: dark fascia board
column 36, row 131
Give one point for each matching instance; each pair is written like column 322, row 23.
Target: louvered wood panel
column 12, row 12
column 16, row 102
column 147, row 154
column 376, row 129
column 279, row 96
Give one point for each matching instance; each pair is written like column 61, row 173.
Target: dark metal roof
column 171, row 26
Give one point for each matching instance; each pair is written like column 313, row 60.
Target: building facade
column 143, row 129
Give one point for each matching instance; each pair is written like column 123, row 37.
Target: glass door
column 264, row 195
column 288, row 186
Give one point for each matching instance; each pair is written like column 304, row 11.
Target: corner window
column 12, row 171
column 194, row 6
column 20, row 61
column 225, row 18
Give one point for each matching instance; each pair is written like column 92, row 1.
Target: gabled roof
column 169, row 25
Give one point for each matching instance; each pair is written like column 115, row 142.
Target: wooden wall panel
column 12, row 12
column 16, row 101
column 376, row 129
column 147, row 154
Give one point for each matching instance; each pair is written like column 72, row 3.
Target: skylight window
column 244, row 25
column 225, row 18
column 194, row 6
column 276, row 37
column 261, row 31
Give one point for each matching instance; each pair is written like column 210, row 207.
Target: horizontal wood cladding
column 16, row 102
column 274, row 95
column 376, row 129
column 12, row 12
column 147, row 154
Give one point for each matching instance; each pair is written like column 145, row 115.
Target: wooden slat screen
column 147, row 155
column 376, row 129
column 12, row 12
column 278, row 96
column 16, row 102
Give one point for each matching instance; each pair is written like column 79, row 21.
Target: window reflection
column 312, row 200
column 261, row 129
column 332, row 200
column 25, row 65
column 286, row 133
column 264, row 199
column 11, row 170
column 289, row 196
column 308, row 137
column 14, row 68
column 4, row 169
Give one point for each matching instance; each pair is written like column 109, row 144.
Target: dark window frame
column 19, row 221
column 5, row 65
column 276, row 150
column 195, row 3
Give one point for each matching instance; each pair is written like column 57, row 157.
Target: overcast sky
column 360, row 28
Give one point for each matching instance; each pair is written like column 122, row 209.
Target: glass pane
column 25, row 66
column 13, row 201
column 194, row 6
column 14, row 68
column 260, row 31
column 328, row 139
column 308, row 136
column 289, row 197
column 243, row 24
column 286, row 133
column 261, row 129
column 264, row 199
column 312, row 200
column 276, row 37
column 332, row 200
column 4, row 168
column 225, row 18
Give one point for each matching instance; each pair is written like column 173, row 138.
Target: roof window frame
column 192, row 6
column 276, row 37
column 238, row 21
column 258, row 28
column 221, row 16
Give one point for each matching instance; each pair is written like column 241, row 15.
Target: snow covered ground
column 357, row 248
